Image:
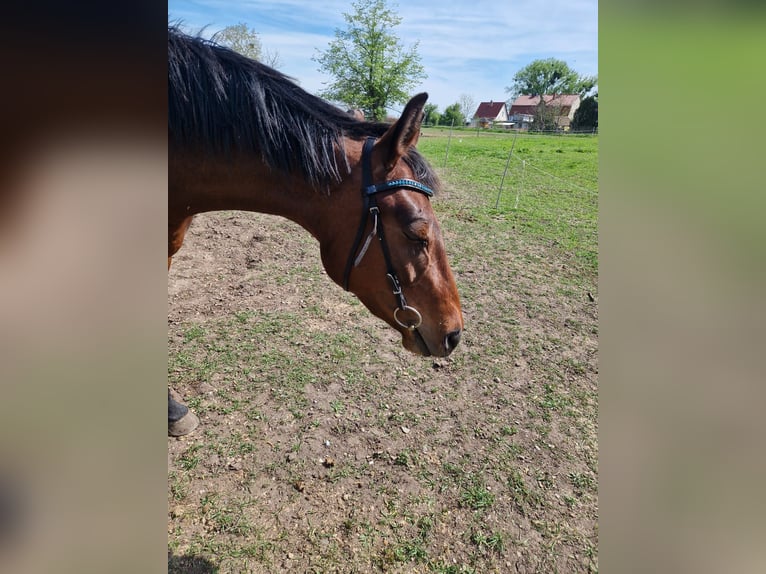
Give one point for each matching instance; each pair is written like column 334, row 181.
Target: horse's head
column 258, row 142
column 387, row 247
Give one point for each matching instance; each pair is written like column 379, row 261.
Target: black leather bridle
column 370, row 209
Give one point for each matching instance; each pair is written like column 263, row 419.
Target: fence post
column 507, row 163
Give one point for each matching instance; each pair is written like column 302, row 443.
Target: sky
column 466, row 47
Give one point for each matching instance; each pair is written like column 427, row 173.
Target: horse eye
column 422, row 242
column 417, row 232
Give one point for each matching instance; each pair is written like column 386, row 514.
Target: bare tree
column 467, row 105
column 244, row 40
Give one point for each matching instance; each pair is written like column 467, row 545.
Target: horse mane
column 220, row 101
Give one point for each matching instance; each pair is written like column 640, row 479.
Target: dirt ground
column 324, row 446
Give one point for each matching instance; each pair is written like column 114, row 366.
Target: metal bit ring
column 418, row 321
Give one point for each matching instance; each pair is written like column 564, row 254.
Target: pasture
column 326, row 447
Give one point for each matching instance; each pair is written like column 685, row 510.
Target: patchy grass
column 477, row 497
column 302, row 462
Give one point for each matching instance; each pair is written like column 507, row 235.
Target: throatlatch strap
column 366, row 198
column 359, row 234
column 375, row 213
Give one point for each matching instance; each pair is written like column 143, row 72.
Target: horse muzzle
column 417, row 341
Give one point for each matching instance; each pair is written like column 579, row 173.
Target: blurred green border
column 682, row 114
column 682, row 268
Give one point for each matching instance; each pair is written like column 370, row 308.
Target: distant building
column 525, row 108
column 490, row 114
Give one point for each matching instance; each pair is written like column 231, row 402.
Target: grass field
column 550, row 189
column 325, row 447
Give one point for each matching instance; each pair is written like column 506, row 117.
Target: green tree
column 244, row 40
column 546, row 114
column 371, row 69
column 431, row 114
column 552, row 77
column 586, row 116
column 452, row 116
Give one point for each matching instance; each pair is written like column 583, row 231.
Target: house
column 489, row 114
column 525, row 108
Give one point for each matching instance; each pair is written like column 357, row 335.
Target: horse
column 243, row 136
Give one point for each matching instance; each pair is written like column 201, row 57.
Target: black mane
column 221, row 101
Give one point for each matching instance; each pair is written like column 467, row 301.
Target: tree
column 431, row 114
column 552, row 77
column 371, row 69
column 586, row 116
column 545, row 116
column 241, row 39
column 452, row 116
column 467, row 105
column 549, row 77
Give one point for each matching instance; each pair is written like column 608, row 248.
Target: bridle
column 370, row 209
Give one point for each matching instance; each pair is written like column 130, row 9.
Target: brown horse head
column 244, row 136
column 397, row 265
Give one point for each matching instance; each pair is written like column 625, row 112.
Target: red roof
column 561, row 100
column 489, row 109
column 528, row 104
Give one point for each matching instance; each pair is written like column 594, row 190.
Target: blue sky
column 467, row 47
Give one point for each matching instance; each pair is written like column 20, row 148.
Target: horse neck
column 199, row 184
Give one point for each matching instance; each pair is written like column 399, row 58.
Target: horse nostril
column 452, row 339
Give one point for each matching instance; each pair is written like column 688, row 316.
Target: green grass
column 494, row 541
column 554, row 196
column 477, row 497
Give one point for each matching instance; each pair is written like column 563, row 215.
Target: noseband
column 370, row 209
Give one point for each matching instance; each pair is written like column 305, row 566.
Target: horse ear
column 403, row 134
